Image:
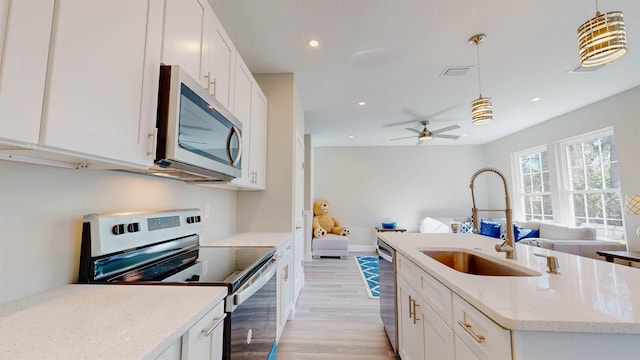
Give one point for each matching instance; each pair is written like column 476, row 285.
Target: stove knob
column 133, row 227
column 198, row 218
column 190, row 219
column 118, row 229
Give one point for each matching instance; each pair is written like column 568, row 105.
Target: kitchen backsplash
column 41, row 210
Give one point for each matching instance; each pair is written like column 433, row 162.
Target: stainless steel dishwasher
column 387, row 261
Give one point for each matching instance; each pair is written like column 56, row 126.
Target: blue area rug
column 370, row 271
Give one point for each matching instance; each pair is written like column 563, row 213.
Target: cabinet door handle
column 153, row 143
column 415, row 314
column 217, row 322
column 208, row 79
column 411, row 308
column 215, row 85
column 467, row 327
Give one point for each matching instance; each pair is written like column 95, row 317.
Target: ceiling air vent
column 582, row 69
column 455, row 71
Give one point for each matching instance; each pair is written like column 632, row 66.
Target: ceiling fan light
column 425, row 137
column 481, row 111
column 602, row 39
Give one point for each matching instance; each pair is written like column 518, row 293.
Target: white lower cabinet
column 434, row 323
column 284, row 296
column 438, row 336
column 462, row 351
column 484, row 337
column 173, row 352
column 411, row 344
column 204, row 339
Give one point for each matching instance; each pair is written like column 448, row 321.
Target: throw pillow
column 466, row 227
column 520, row 233
column 490, row 228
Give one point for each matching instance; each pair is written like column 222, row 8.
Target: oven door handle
column 239, row 297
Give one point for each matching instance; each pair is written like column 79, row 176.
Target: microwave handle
column 234, row 131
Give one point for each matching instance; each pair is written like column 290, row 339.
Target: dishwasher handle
column 386, row 256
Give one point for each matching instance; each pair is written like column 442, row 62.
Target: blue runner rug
column 370, row 271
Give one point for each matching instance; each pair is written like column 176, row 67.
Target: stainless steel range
column 162, row 248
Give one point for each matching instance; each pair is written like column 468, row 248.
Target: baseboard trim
column 363, row 248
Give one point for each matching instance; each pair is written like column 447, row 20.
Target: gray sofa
column 578, row 241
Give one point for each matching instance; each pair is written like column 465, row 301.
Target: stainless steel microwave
column 198, row 139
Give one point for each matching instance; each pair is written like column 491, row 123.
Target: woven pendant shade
column 481, row 111
column 602, row 39
column 481, row 108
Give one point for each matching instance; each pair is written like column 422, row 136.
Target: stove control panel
column 123, row 231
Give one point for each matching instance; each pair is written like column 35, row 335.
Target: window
column 533, row 188
column 592, row 183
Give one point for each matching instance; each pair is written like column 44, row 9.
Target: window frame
column 564, row 190
column 519, row 211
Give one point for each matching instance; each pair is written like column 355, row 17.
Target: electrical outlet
column 205, row 211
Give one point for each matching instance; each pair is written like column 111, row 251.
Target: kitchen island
column 590, row 310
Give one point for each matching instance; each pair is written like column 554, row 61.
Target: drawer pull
column 210, row 329
column 467, row 327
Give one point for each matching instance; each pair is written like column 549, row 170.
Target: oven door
column 250, row 327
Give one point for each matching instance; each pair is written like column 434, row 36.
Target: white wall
column 621, row 111
column 365, row 184
column 41, row 212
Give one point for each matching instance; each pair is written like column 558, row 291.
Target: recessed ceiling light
column 535, row 99
column 362, row 103
column 314, row 43
column 350, row 137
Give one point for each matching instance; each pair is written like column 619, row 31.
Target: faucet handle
column 552, row 263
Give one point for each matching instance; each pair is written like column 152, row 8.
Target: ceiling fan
column 426, row 134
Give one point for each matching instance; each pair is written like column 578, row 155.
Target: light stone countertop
column 589, row 296
column 102, row 321
column 275, row 239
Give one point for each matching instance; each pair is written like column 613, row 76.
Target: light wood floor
column 334, row 317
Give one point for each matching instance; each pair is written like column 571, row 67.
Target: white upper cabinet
column 182, row 42
column 102, row 82
column 195, row 40
column 250, row 106
column 258, row 151
column 220, row 60
column 242, row 109
column 25, row 29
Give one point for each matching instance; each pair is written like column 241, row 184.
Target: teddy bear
column 324, row 223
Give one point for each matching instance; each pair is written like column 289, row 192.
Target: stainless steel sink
column 471, row 263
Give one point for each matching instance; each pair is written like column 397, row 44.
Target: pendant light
column 481, row 108
column 602, row 39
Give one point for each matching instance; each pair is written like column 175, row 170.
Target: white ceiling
column 390, row 53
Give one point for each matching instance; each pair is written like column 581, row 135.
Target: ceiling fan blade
column 452, row 127
column 401, row 123
column 414, row 130
column 444, row 136
column 406, row 137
